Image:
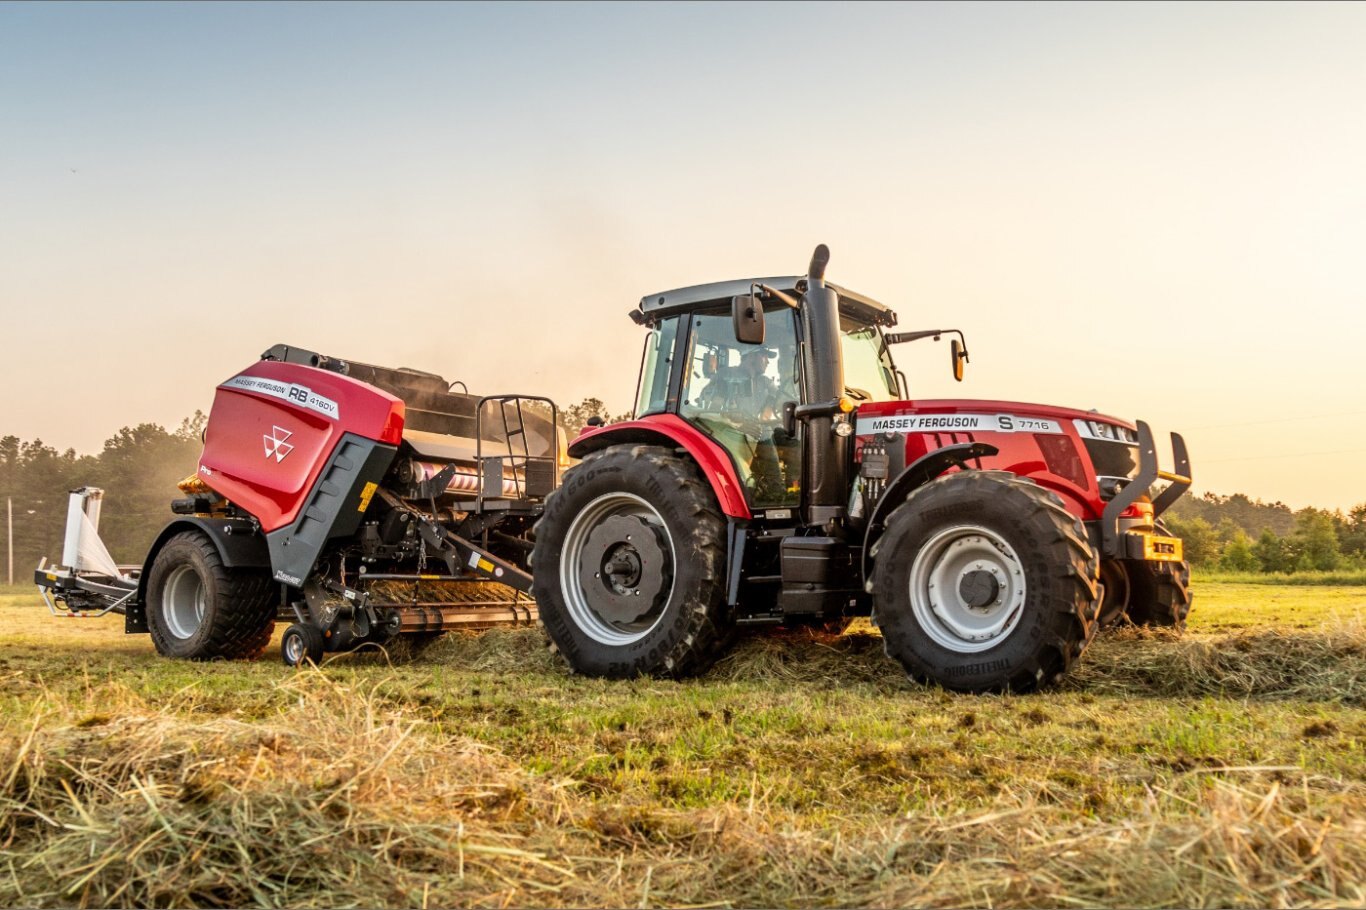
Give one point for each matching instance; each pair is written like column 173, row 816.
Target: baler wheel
column 985, row 582
column 302, row 644
column 630, row 566
column 199, row 609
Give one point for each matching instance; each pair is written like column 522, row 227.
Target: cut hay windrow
column 1324, row 664
column 341, row 798
column 1327, row 664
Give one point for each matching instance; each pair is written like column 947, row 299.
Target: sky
column 1156, row 210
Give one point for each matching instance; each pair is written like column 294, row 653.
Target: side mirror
column 960, row 357
column 748, row 315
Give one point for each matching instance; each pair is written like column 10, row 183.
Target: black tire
column 198, row 609
column 302, row 644
column 630, row 522
column 1024, row 595
column 1114, row 574
column 1160, row 594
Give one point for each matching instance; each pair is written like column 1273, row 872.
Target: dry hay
column 1323, row 665
column 1327, row 664
column 810, row 656
column 341, row 799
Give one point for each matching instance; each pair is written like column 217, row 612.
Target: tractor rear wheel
column 199, row 609
column 630, row 562
column 984, row 582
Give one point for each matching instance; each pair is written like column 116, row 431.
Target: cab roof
column 707, row 296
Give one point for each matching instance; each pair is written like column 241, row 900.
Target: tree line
column 139, row 466
column 138, row 469
column 1238, row 534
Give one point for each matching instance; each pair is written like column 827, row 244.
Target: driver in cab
column 745, row 391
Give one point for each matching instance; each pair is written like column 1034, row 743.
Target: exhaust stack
column 827, row 488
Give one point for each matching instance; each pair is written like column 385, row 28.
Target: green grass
column 1222, row 769
column 1350, row 577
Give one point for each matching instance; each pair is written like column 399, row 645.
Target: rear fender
column 674, row 432
column 240, row 544
column 918, row 473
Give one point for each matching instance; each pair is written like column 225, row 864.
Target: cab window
column 868, row 371
column 655, row 365
column 735, row 393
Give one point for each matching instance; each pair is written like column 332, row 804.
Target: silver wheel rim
column 588, row 620
column 294, row 649
column 967, row 589
column 183, row 602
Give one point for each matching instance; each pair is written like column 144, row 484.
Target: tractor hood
column 950, row 415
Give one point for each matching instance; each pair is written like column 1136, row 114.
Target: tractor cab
column 745, row 387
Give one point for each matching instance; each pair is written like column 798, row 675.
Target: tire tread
column 703, row 642
column 241, row 620
column 1069, row 555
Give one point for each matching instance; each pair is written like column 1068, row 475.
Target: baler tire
column 1038, row 554
column 302, row 644
column 237, row 615
column 685, row 627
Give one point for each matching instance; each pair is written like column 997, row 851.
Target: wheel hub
column 622, row 568
column 184, row 602
column 967, row 588
column 978, row 588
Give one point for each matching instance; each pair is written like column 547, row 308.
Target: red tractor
column 776, row 472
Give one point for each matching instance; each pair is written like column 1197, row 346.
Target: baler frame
column 507, row 486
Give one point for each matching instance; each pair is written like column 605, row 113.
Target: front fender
column 674, row 432
column 916, row 474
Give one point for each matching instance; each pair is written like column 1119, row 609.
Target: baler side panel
column 275, row 426
column 334, row 507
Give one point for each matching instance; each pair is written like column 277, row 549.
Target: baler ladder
column 533, row 476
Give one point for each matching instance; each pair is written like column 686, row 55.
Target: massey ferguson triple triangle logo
column 276, row 445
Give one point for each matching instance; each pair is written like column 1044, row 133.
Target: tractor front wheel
column 983, row 581
column 630, row 564
column 199, row 609
column 1160, row 595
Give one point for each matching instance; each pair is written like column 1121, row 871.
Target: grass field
column 1227, row 768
